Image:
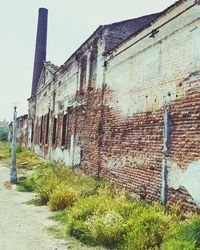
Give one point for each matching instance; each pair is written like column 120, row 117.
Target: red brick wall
column 132, row 151
column 87, row 125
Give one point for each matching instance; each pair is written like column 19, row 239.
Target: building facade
column 126, row 105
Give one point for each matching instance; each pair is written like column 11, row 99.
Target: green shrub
column 27, row 185
column 77, row 216
column 186, row 234
column 3, row 134
column 106, row 229
column 97, row 213
column 19, row 149
column 100, row 219
column 61, row 198
column 45, row 190
column 51, row 175
column 84, row 185
column 5, row 152
column 175, row 244
column 146, row 229
column 60, row 216
column 25, row 155
column 190, row 231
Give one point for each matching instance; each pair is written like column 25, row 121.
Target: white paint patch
column 75, row 152
column 37, row 150
column 189, row 178
column 69, row 157
column 120, row 162
column 59, row 154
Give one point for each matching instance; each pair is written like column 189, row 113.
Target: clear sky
column 70, row 24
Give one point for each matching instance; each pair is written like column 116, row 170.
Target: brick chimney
column 40, row 49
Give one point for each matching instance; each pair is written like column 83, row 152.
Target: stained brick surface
column 115, row 127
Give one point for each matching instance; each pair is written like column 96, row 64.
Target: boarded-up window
column 32, row 131
column 47, row 130
column 54, row 130
column 83, row 73
column 41, row 130
column 64, row 127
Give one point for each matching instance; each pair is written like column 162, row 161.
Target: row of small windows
column 44, row 127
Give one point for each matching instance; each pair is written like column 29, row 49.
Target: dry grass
column 7, row 185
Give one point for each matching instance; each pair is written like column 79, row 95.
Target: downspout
column 75, row 128
column 101, row 122
column 166, row 137
column 101, row 131
column 74, row 137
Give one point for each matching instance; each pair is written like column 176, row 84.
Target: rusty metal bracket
column 154, row 32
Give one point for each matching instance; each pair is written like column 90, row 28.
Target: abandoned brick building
column 126, row 104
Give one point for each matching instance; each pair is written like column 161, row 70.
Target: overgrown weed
column 99, row 214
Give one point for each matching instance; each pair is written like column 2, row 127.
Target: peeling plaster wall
column 141, row 81
column 116, row 127
column 188, row 178
column 60, row 94
column 145, row 76
column 22, row 130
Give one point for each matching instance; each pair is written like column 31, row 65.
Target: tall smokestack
column 40, row 49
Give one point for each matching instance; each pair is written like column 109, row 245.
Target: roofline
column 177, row 3
column 100, row 28
column 130, row 19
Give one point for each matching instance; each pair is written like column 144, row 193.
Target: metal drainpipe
column 166, row 136
column 101, row 123
column 74, row 137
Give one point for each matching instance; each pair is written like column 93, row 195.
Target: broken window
column 64, row 126
column 93, row 67
column 47, row 130
column 54, row 130
column 83, row 73
column 41, row 129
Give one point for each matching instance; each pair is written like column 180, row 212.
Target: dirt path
column 22, row 227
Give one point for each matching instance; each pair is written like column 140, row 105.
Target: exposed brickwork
column 22, row 130
column 185, row 129
column 87, row 119
column 115, row 107
column 132, row 151
column 182, row 199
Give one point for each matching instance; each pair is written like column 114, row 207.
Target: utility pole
column 13, row 172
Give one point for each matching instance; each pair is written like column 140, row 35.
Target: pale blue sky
column 70, row 24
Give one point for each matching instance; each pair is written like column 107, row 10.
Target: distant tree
column 3, row 134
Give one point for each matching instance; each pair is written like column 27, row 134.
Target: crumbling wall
column 131, row 115
column 150, row 72
column 22, row 130
column 71, row 103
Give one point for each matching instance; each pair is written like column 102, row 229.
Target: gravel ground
column 23, row 227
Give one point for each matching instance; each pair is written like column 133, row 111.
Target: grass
column 22, row 156
column 99, row 215
column 59, row 232
column 5, row 152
